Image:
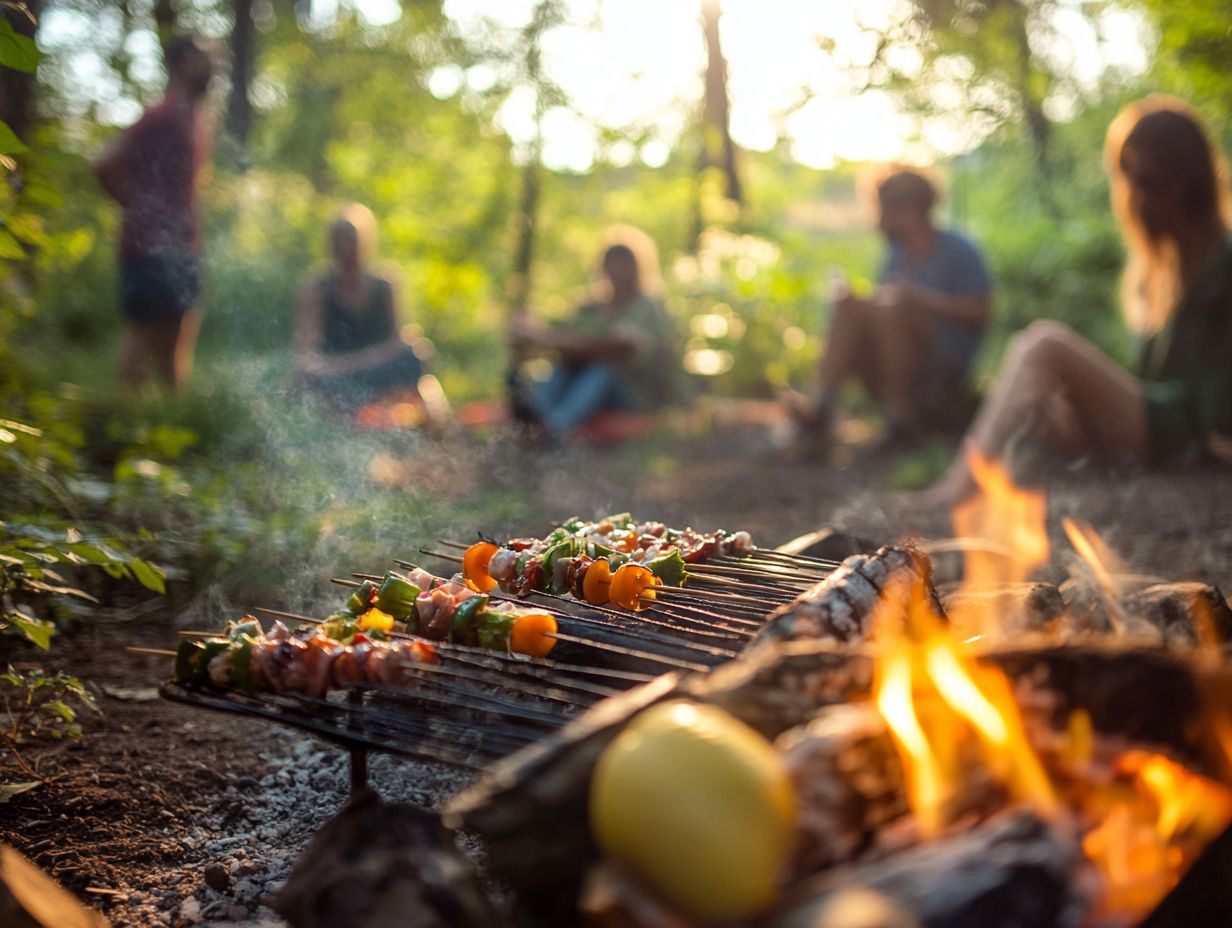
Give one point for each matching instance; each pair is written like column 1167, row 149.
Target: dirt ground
column 168, row 815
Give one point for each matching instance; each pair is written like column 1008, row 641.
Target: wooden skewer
column 367, row 576
column 746, row 585
column 675, row 592
column 278, row 613
column 452, row 558
column 153, row 652
column 631, row 652
column 341, row 582
column 191, row 634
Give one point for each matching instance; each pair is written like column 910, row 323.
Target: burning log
column 383, row 866
column 1019, row 608
column 849, row 783
column 1177, row 614
column 531, row 807
column 1012, row 872
column 841, row 606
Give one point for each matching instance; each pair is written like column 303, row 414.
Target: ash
column 258, row 827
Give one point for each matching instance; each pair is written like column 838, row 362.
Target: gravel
column 258, row 826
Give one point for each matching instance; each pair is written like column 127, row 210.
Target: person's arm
column 309, row 330
column 310, row 335
column 970, row 308
column 110, row 167
column 573, row 347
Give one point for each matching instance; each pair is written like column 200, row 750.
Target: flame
column 1153, row 822
column 939, row 704
column 1102, row 562
column 1006, row 524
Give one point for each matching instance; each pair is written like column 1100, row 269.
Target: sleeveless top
column 346, row 329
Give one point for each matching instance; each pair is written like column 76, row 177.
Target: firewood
column 1018, row 608
column 1015, row 871
column 376, row 865
column 29, row 898
column 849, row 783
column 1185, row 613
column 1169, row 614
column 531, row 807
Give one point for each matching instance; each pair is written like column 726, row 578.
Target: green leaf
column 36, row 630
column 9, row 790
column 10, row 247
column 10, row 144
column 148, row 575
column 17, row 51
column 62, row 709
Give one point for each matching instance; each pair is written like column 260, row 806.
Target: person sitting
column 913, row 343
column 348, row 345
column 1177, row 297
column 616, row 352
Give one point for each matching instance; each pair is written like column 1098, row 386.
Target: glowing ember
column 1153, row 821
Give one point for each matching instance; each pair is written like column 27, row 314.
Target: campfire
column 995, row 751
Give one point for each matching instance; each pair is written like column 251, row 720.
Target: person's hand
column 899, row 294
column 523, row 330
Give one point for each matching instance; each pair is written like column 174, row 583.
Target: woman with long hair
column 1168, row 197
column 615, row 353
column 348, row 342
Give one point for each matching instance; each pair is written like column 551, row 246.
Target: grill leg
column 359, row 770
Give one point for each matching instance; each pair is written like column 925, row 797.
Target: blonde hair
column 358, row 217
column 1168, row 134
column 645, row 254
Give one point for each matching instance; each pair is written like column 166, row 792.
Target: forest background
column 232, row 490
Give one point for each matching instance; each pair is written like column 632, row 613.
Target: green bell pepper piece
column 241, row 661
column 186, row 658
column 495, row 629
column 360, row 601
column 396, row 596
column 670, row 568
column 462, row 626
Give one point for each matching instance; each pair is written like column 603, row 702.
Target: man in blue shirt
column 921, row 330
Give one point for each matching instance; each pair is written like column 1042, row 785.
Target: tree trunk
column 243, row 63
column 718, row 149
column 17, row 87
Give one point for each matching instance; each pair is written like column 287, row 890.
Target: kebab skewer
column 443, row 610
column 613, row 561
column 307, row 660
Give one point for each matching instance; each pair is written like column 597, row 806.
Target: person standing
column 913, row 343
column 153, row 170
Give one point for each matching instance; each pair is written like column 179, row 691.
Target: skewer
column 153, row 652
column 341, row 582
column 441, row 555
column 471, row 655
column 617, row 614
column 746, row 585
column 629, row 652
column 367, row 577
column 794, row 578
column 634, row 632
column 673, row 592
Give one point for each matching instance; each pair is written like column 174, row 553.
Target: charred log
column 1013, row 872
column 1019, row 608
column 849, row 784
column 531, row 807
column 841, row 607
column 384, row 866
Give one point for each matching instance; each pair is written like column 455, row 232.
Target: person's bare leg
column 850, row 330
column 134, row 353
column 1047, row 361
column 186, row 345
column 161, row 339
column 902, row 339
